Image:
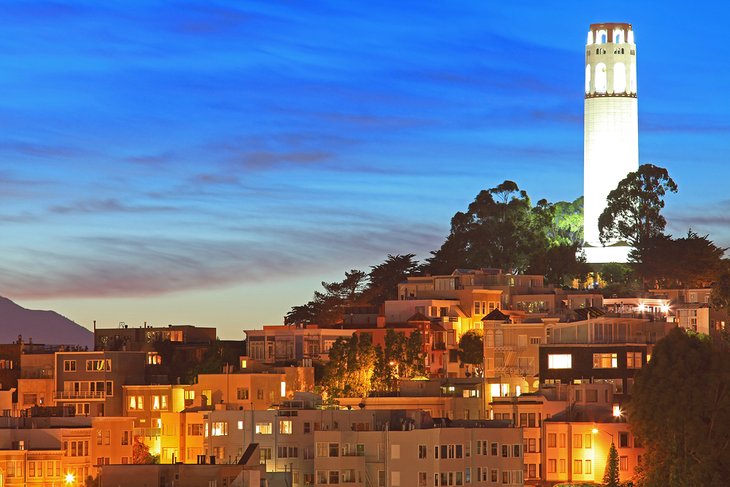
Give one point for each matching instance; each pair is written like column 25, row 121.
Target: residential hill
column 47, row 327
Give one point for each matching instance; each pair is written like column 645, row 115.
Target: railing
column 79, row 394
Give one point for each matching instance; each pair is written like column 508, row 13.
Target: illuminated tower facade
column 611, row 131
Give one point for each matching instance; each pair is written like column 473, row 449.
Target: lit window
column 560, row 361
column 263, row 428
column 285, row 427
column 240, row 425
column 283, row 389
column 605, row 360
column 219, row 428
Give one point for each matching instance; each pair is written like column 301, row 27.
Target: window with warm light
column 219, row 428
column 286, row 427
column 633, row 360
column 263, row 428
column 283, row 389
column 560, row 361
column 605, row 360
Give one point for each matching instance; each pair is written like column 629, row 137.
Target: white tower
column 611, row 131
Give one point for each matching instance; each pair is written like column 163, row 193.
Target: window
column 135, row 403
column 623, row 463
column 263, row 428
column 560, row 361
column 334, row 449
column 265, row 455
column 220, row 428
column 494, row 474
column 552, row 440
column 494, row 449
column 240, row 425
column 159, row 403
column 562, row 464
column 334, row 477
column 69, row 366
column 99, row 365
column 195, row 429
column 125, row 437
column 307, row 427
column 588, row 467
column 562, row 438
column 577, row 440
column 505, row 450
column 242, row 393
column 605, row 360
column 285, row 427
column 422, row 479
column 578, row 466
column 623, row 439
column 421, row 451
column 288, row 452
column 633, row 360
column 587, row 441
column 530, row 445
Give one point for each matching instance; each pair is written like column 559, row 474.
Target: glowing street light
column 70, row 478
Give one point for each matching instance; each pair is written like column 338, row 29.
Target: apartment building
column 459, row 453
column 529, row 411
column 61, row 451
column 292, row 343
column 92, row 382
column 577, row 444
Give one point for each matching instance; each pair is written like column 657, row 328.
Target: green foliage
column 141, row 453
column 616, row 273
column 633, row 209
column 384, row 278
column 691, row 261
column 356, row 367
column 502, row 229
column 720, row 297
column 471, row 348
column 567, row 225
column 326, row 307
column 680, row 408
column 611, row 476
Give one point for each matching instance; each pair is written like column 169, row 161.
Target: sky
column 211, row 162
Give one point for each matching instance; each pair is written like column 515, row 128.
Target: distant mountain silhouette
column 47, row 327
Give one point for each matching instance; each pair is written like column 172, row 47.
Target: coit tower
column 611, row 132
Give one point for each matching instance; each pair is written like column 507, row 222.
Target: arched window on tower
column 600, row 79
column 618, row 36
column 590, row 38
column 601, row 36
column 588, row 79
column 632, row 78
column 619, row 78
column 630, row 37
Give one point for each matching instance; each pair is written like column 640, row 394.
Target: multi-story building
column 248, row 473
column 600, row 350
column 36, row 385
column 460, row 453
column 528, row 411
column 298, row 344
column 452, row 398
column 92, row 382
column 251, row 390
column 577, row 443
column 61, row 451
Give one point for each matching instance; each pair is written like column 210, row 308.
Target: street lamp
column 595, row 431
column 70, row 478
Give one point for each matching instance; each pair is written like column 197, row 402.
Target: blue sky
column 211, row 162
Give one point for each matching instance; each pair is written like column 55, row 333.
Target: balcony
column 79, row 395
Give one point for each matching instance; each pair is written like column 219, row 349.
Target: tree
column 384, row 278
column 350, row 369
column 471, row 348
column 326, row 307
column 616, row 273
column 679, row 409
column 502, row 229
column 611, row 476
column 633, row 209
column 691, row 261
column 141, row 453
column 720, row 297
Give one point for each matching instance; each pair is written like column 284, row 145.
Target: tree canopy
column 633, row 209
column 502, row 229
column 679, row 409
